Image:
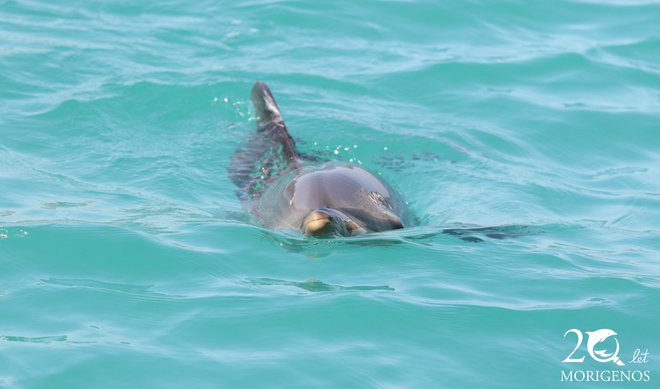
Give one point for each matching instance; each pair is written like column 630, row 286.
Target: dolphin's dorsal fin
column 265, row 107
column 270, row 152
column 269, row 121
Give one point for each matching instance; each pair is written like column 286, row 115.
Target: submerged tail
column 269, row 153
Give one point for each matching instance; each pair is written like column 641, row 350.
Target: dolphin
column 282, row 190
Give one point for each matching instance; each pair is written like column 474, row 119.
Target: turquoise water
column 127, row 260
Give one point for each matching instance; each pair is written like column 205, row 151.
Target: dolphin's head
column 596, row 337
column 599, row 335
column 327, row 222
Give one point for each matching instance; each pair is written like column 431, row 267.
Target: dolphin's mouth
column 325, row 222
column 316, row 218
column 316, row 225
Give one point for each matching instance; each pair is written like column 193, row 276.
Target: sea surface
column 128, row 261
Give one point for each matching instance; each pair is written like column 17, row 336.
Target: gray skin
column 330, row 199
